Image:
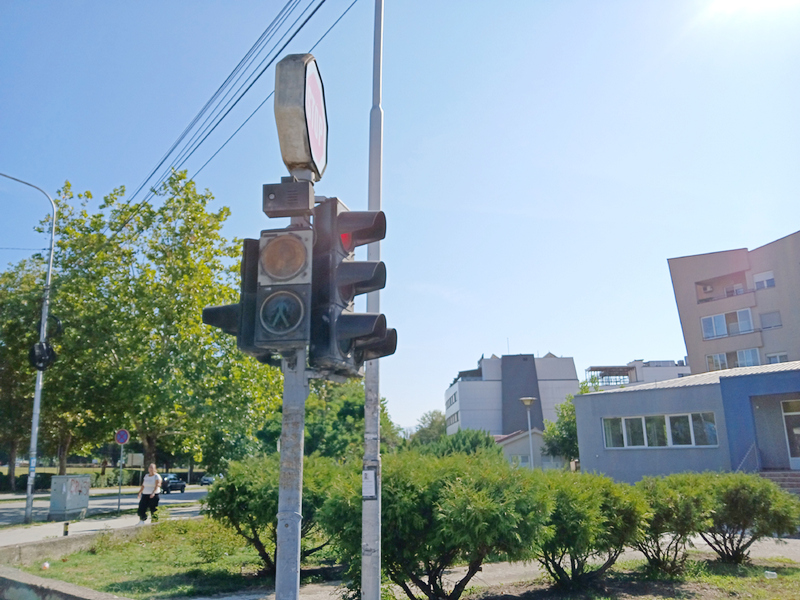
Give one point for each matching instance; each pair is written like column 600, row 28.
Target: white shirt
column 150, row 483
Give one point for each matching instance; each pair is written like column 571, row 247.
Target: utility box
column 69, row 497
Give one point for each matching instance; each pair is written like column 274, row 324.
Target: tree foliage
column 334, row 422
column 129, row 284
column 431, row 427
column 681, row 507
column 437, row 512
column 464, row 441
column 20, row 309
column 561, row 438
column 592, row 521
column 745, row 508
column 246, row 500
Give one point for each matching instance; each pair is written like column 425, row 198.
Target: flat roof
column 710, row 378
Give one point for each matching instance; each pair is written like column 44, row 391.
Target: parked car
column 207, row 479
column 170, row 482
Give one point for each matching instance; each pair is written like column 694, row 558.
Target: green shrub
column 680, row 505
column 747, row 508
column 592, row 521
column 246, row 500
column 464, row 441
column 437, row 512
column 41, row 482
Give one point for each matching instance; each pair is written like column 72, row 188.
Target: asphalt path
column 13, row 512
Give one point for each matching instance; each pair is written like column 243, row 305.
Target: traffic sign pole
column 290, row 490
column 121, row 437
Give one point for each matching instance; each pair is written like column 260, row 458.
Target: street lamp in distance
column 528, row 401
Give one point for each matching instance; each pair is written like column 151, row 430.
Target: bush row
column 438, row 511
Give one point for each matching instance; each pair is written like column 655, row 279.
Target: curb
column 18, row 585
column 30, row 552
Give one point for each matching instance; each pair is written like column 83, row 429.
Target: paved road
column 13, row 512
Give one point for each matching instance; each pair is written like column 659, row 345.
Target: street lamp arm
column 37, row 396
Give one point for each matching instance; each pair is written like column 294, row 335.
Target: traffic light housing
column 341, row 340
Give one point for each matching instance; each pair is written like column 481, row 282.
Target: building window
column 452, row 419
column 451, row 400
column 737, row 289
column 723, row 325
column 771, row 320
column 694, row 429
column 778, row 357
column 764, row 280
column 741, row 358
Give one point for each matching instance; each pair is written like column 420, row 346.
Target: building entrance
column 791, row 420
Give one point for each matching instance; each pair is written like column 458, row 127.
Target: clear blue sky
column 542, row 160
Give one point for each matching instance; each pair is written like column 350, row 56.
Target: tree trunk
column 103, row 466
column 63, row 451
column 149, row 442
column 12, row 466
column 191, row 470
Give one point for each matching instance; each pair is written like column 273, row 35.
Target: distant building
column 517, row 450
column 739, row 308
column 743, row 419
column 637, row 372
column 487, row 398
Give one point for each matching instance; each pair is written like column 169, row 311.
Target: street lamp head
column 527, row 400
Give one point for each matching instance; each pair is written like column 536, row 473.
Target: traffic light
column 341, row 340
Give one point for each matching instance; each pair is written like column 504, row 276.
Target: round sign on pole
column 122, row 436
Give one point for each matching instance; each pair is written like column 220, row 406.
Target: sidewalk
column 126, row 489
column 37, row 532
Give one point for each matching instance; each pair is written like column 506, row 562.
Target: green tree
column 131, row 282
column 561, row 438
column 592, row 522
column 246, row 500
column 430, row 428
column 20, row 310
column 744, row 509
column 334, row 422
column 681, row 506
column 464, row 441
column 437, row 512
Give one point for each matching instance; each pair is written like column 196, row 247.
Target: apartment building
column 740, row 308
column 488, row 398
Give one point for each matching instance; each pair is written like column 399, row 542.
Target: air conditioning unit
column 708, row 289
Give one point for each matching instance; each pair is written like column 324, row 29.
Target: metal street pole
column 371, row 472
column 290, row 491
column 121, row 462
column 37, row 395
column 527, row 401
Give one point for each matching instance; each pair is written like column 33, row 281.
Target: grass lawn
column 171, row 559
column 200, row 558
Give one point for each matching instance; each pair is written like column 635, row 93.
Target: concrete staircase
column 788, row 480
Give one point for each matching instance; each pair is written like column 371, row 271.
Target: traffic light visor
column 284, row 257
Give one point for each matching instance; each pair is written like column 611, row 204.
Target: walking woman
column 148, row 495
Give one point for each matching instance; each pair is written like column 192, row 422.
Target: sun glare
column 727, row 7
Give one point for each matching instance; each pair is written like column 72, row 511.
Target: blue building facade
column 745, row 419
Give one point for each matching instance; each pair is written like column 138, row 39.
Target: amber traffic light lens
column 284, row 257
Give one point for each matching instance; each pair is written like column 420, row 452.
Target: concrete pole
column 37, row 394
column 530, row 440
column 290, row 491
column 371, row 498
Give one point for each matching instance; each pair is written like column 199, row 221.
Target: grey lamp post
column 527, row 401
column 37, row 395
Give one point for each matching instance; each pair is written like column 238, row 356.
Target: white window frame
column 719, row 327
column 779, row 356
column 668, row 422
column 764, row 280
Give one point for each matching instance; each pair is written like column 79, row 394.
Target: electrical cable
column 272, row 92
column 197, row 117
